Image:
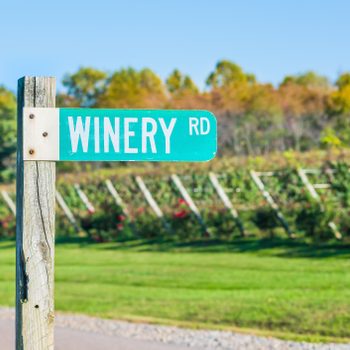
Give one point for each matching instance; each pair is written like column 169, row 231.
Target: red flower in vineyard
column 120, row 226
column 180, row 214
column 182, row 201
column 121, row 217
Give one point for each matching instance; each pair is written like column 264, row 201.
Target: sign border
column 41, row 140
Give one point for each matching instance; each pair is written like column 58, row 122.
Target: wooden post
column 227, row 203
column 308, row 185
column 149, row 198
column 190, row 203
column 151, row 201
column 35, row 231
column 313, row 193
column 266, row 194
column 83, row 197
column 118, row 200
column 120, row 203
column 71, row 218
column 8, row 200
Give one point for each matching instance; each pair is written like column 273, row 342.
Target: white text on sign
column 82, row 131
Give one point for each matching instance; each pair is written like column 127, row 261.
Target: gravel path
column 149, row 337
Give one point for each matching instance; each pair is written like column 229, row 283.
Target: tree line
column 305, row 111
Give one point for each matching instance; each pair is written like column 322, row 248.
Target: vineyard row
column 313, row 202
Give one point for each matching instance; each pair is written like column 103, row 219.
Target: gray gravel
column 178, row 337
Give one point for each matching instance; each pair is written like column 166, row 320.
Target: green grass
column 281, row 288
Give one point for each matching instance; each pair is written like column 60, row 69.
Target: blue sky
column 270, row 38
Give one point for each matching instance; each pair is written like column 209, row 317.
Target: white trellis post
column 83, row 197
column 8, row 200
column 308, row 185
column 266, row 194
column 120, row 203
column 151, row 201
column 227, row 203
column 313, row 193
column 35, row 229
column 116, row 196
column 71, row 218
column 188, row 199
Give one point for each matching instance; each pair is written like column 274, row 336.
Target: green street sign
column 79, row 134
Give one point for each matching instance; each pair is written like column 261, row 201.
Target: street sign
column 79, row 134
column 46, row 135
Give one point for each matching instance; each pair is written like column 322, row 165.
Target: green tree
column 227, row 73
column 339, row 102
column 65, row 100
column 131, row 88
column 329, row 139
column 343, row 81
column 177, row 83
column 338, row 107
column 7, row 132
column 308, row 79
column 85, row 86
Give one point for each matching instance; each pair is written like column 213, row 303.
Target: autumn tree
column 263, row 119
column 227, row 73
column 184, row 93
column 343, row 81
column 339, row 100
column 178, row 83
column 339, row 108
column 249, row 112
column 254, row 118
column 83, row 87
column 303, row 100
column 132, row 88
column 308, row 79
column 229, row 86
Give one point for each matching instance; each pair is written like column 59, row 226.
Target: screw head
column 45, row 134
column 31, row 151
column 31, row 116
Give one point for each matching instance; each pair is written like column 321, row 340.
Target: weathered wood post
column 35, row 226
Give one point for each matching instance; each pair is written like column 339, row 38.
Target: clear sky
column 270, row 38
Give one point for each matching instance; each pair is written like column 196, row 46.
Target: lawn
column 281, row 288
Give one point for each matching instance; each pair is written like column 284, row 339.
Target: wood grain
column 35, row 230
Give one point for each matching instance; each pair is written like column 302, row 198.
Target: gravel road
column 90, row 333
